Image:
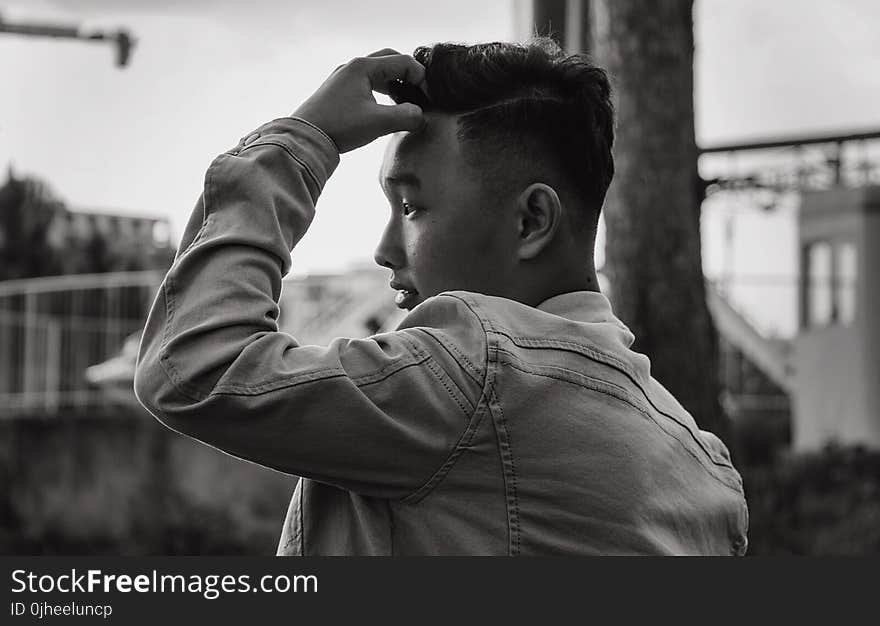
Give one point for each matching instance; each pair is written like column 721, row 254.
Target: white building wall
column 836, row 392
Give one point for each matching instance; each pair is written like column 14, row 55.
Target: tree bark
column 652, row 211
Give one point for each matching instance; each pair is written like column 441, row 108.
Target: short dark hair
column 528, row 104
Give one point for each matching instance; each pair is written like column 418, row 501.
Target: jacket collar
column 580, row 306
column 589, row 307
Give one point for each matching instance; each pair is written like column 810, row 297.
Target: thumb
column 396, row 117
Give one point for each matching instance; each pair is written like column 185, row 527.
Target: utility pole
column 565, row 21
column 653, row 254
column 122, row 39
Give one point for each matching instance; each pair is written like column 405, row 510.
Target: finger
column 384, row 52
column 385, row 69
column 397, row 117
column 402, row 92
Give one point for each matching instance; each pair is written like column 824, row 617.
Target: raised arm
column 379, row 415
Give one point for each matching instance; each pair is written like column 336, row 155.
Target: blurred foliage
column 123, row 484
column 27, row 208
column 184, row 528
column 820, row 503
column 29, row 212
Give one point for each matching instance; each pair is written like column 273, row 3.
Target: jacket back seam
column 565, row 370
column 505, row 450
column 508, row 469
column 300, row 515
column 641, row 410
column 610, row 361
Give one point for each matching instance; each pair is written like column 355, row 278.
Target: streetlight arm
column 123, row 40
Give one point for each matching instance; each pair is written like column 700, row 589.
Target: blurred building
column 90, row 241
column 73, row 285
column 819, row 384
column 41, row 236
column 836, row 355
column 828, row 370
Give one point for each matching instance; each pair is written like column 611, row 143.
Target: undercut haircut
column 528, row 113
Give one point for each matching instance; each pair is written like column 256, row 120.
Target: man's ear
column 539, row 213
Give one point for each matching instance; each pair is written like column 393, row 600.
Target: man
column 506, row 414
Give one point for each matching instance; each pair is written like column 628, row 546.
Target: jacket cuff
column 313, row 147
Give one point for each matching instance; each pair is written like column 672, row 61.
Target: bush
column 823, row 503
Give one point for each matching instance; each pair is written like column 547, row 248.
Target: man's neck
column 537, row 291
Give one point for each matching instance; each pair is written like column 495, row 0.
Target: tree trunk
column 652, row 211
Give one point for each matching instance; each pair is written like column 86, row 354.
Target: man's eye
column 407, row 208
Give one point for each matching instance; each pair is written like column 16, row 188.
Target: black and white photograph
column 554, row 278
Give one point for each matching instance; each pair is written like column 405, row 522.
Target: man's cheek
column 434, row 271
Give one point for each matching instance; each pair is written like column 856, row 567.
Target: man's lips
column 406, row 296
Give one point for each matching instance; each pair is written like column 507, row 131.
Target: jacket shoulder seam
column 588, row 381
column 640, row 409
column 461, row 445
column 455, row 352
column 606, row 359
column 474, row 422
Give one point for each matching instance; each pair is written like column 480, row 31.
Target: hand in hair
column 344, row 106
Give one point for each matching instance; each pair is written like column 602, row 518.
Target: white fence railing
column 52, row 329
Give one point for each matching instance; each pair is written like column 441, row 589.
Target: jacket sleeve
column 378, row 416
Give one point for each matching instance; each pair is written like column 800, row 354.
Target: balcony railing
column 68, row 343
column 52, row 329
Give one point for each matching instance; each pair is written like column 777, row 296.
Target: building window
column 846, row 276
column 831, row 275
column 819, row 293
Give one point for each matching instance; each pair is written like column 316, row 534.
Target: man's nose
column 389, row 252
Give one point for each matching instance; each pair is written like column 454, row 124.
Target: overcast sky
column 206, row 72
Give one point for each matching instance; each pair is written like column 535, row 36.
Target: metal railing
column 793, row 164
column 52, row 329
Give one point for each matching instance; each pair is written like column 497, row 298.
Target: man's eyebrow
column 404, row 178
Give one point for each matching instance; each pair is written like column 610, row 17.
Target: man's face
column 444, row 233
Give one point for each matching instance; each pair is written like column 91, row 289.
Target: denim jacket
column 479, row 426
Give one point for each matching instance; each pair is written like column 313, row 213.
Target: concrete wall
column 831, row 394
column 872, row 314
column 127, row 485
